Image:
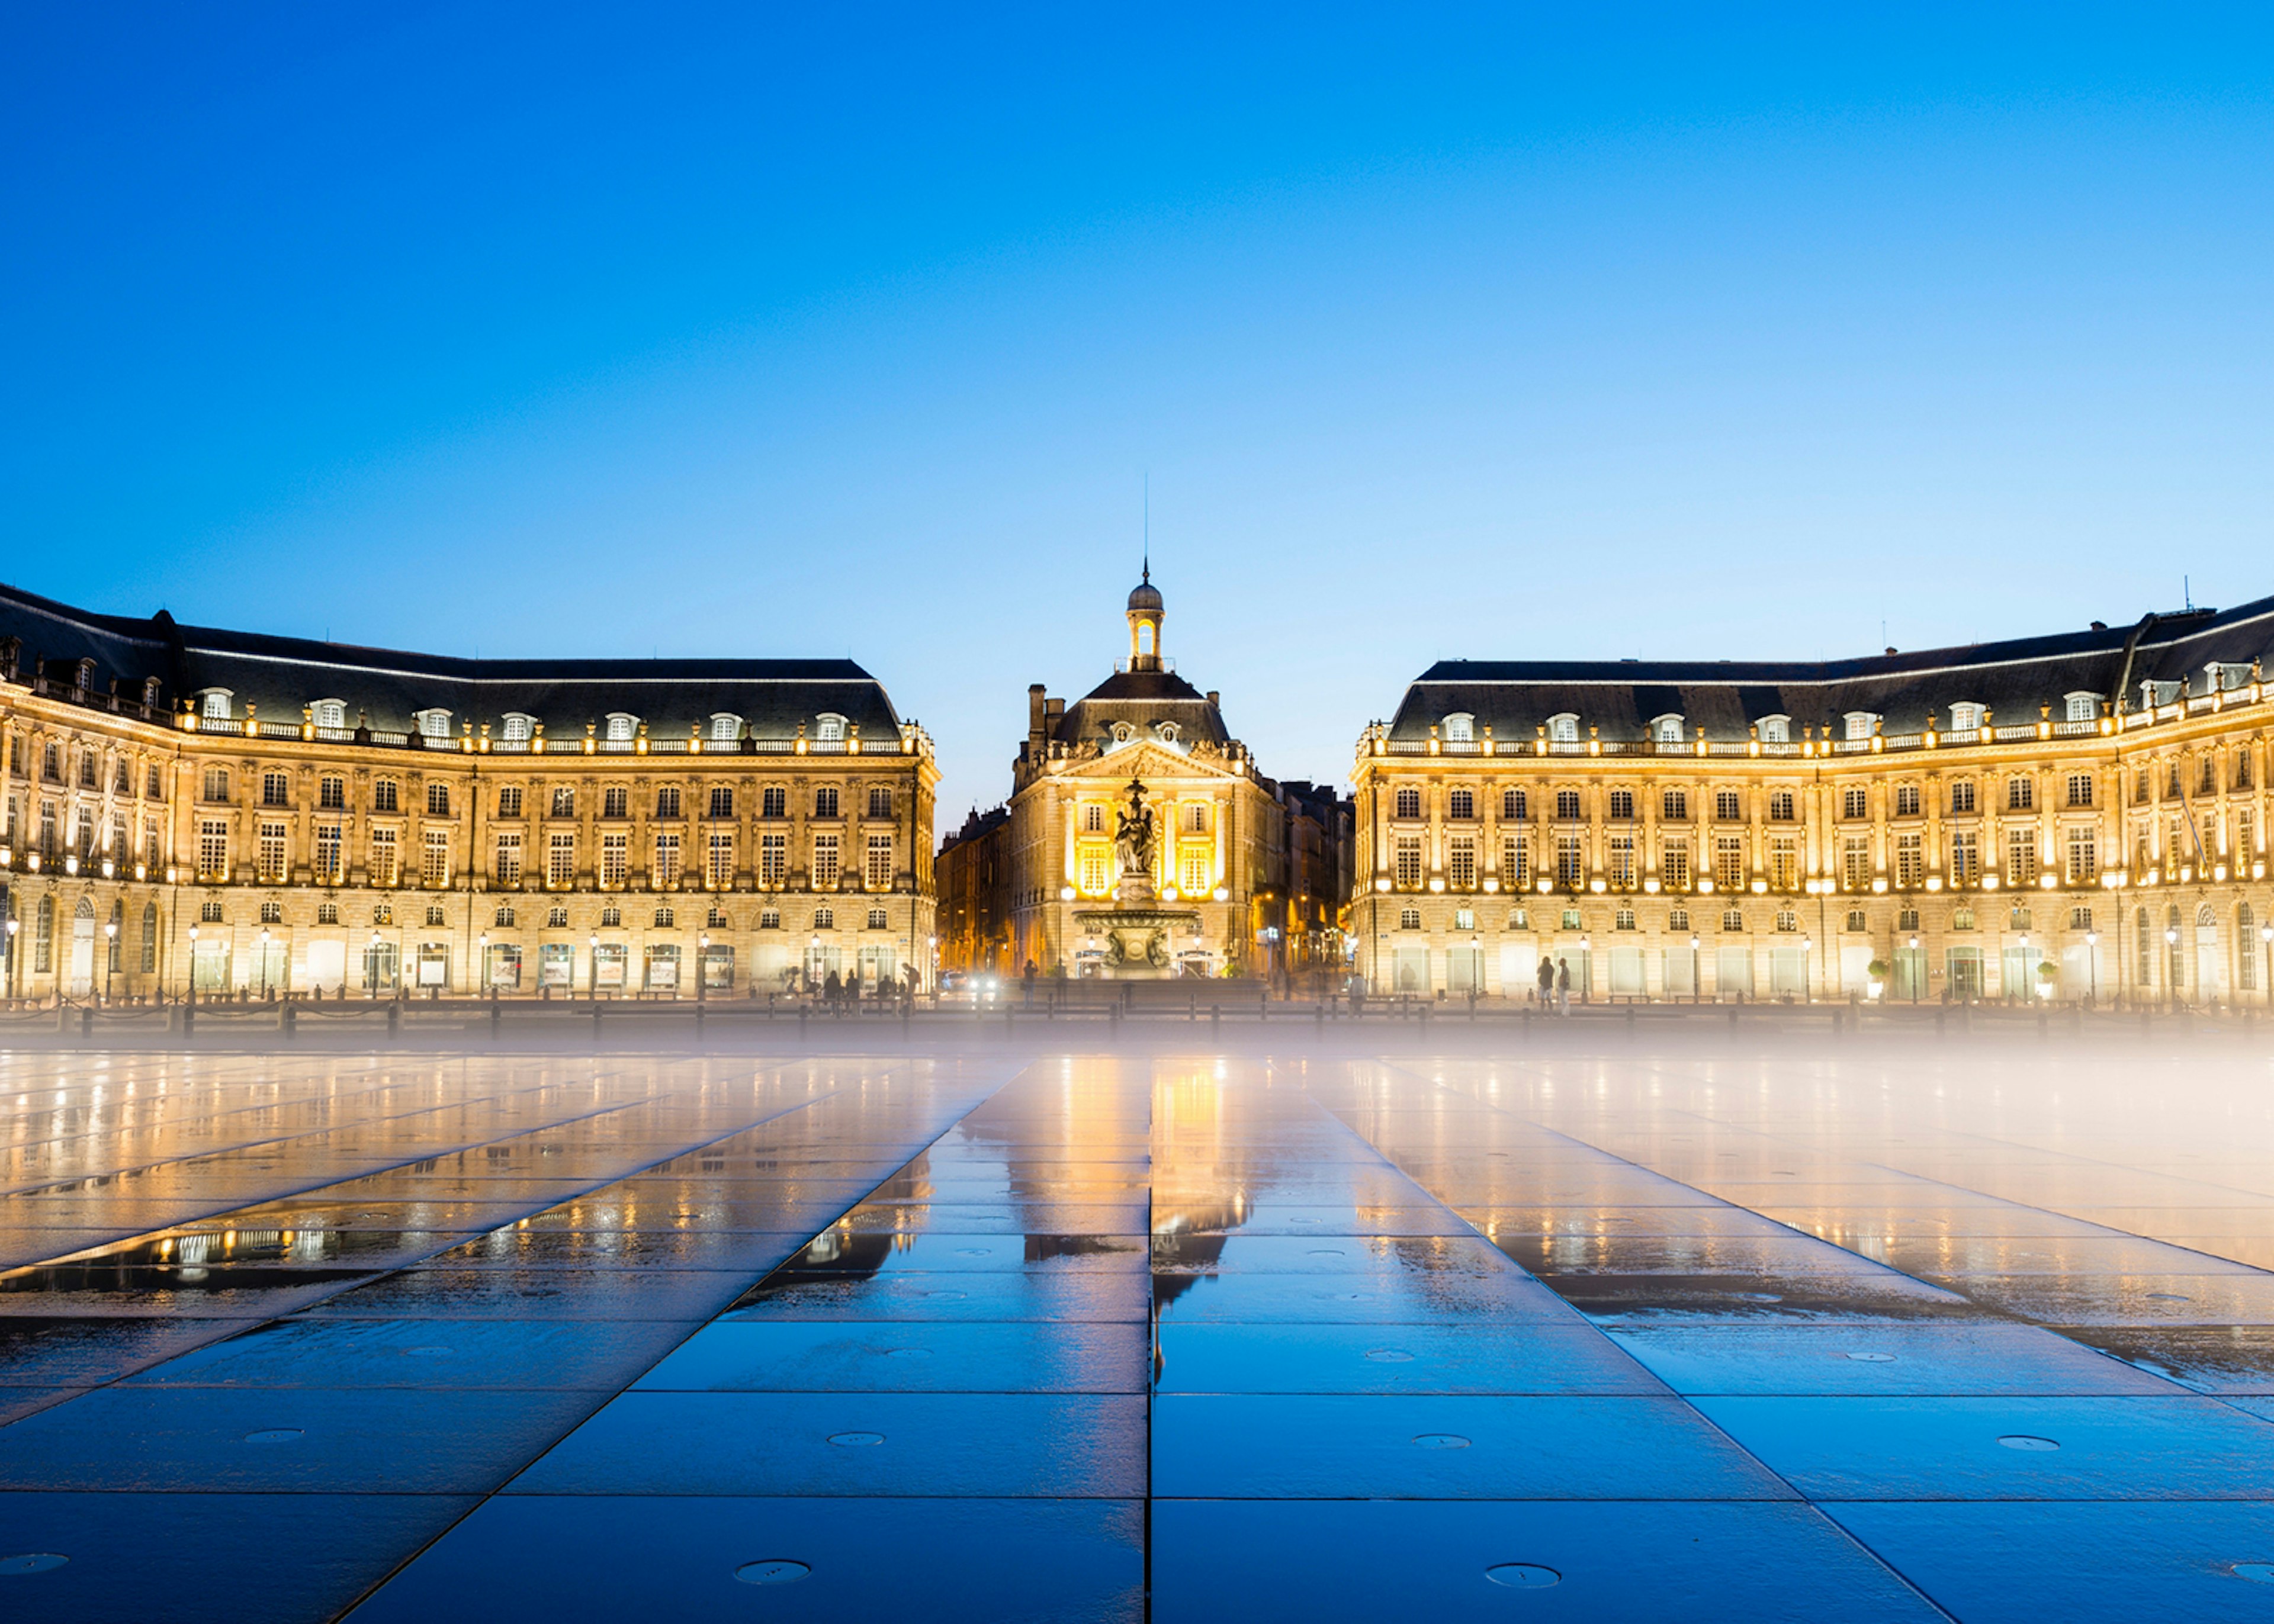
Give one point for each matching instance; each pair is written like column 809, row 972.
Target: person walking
column 1562, row 987
column 1546, row 978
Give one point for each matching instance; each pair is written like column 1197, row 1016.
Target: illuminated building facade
column 2081, row 816
column 329, row 819
column 1244, row 876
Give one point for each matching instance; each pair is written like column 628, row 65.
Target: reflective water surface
column 1940, row 1333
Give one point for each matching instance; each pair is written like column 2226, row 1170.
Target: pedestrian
column 1563, row 987
column 853, row 990
column 1547, row 981
column 1026, row 979
column 829, row 990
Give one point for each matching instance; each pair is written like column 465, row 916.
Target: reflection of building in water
column 2075, row 816
column 1212, row 869
column 328, row 817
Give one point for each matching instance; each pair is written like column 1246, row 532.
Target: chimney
column 1036, row 704
column 1211, row 696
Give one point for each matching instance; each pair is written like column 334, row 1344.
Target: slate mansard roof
column 280, row 675
column 1143, row 698
column 2177, row 652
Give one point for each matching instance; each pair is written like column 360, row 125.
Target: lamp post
column 592, row 974
column 482, row 964
column 12, row 924
column 2171, row 959
column 110, row 955
column 702, row 963
column 371, row 966
column 264, row 964
column 2265, row 937
column 2092, row 964
column 1697, row 973
column 2025, row 969
column 189, row 995
column 1807, row 952
column 1916, row 968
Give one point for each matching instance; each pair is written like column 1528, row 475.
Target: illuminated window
column 667, row 801
column 438, row 800
column 386, row 858
column 1965, row 718
column 667, row 859
column 1409, row 861
column 270, row 854
column 825, row 862
column 620, row 728
column 330, row 853
column 1727, row 806
column 1460, row 728
column 1961, row 795
column 517, row 728
column 1409, row 802
column 615, row 859
column 773, row 859
column 507, row 871
column 1461, row 863
column 434, row 860
column 829, row 728
column 561, row 859
column 330, row 713
column 876, row 870
column 1730, row 861
column 725, row 729
column 1855, row 802
column 719, row 870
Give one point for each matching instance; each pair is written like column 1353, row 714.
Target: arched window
column 149, row 937
column 1965, row 716
column 619, row 727
column 724, row 727
column 1862, row 724
column 433, row 724
column 2081, row 707
column 2205, row 920
column 1776, row 730
column 1460, row 727
column 330, row 712
column 828, row 726
column 2147, row 948
column 214, row 702
column 1563, row 729
column 1666, row 729
column 825, row 919
column 517, row 727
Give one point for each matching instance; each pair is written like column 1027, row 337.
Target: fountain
column 1138, row 933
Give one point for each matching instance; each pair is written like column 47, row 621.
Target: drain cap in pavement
column 2258, row 1573
column 2023, row 1441
column 1873, row 1358
column 1390, row 1356
column 856, row 1441
column 1441, row 1440
column 275, row 1435
column 44, row 1561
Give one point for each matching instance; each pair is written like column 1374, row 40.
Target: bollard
column 393, row 1020
column 1939, row 1030
column 288, row 1021
column 595, row 1020
column 1631, row 1020
column 189, row 1020
column 1839, row 1022
column 87, row 1020
column 497, row 1018
column 1216, row 1019
column 801, row 1022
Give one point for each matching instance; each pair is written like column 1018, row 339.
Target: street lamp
column 2265, row 936
column 1807, row 949
column 1916, row 968
column 2171, row 960
column 190, row 996
column 702, row 963
column 12, row 924
column 370, row 965
column 264, row 964
column 482, row 958
column 110, row 955
column 1697, row 973
column 2092, row 964
column 592, row 975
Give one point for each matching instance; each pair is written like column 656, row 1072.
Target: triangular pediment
column 1151, row 762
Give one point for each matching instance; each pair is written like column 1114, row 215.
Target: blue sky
column 1508, row 332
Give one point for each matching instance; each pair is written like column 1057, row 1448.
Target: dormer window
column 724, row 727
column 1861, row 723
column 433, row 724
column 517, row 727
column 85, row 678
column 214, row 702
column 1965, row 716
column 2081, row 707
column 2225, row 676
column 330, row 712
column 829, row 727
column 150, row 691
column 1667, row 729
column 1776, row 730
column 1169, row 732
column 1122, row 732
column 619, row 727
column 2153, row 694
column 1460, row 728
column 1563, row 729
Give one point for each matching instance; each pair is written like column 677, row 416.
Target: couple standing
column 1555, row 985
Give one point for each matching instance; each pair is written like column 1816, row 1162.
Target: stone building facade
column 1255, row 871
column 269, row 814
column 2076, row 816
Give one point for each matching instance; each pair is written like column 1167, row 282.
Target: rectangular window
column 2022, row 855
column 1675, row 804
column 1515, row 862
column 2080, row 789
column 2083, row 856
column 1622, row 803
column 434, row 860
column 1512, row 804
column 152, row 852
column 507, row 871
column 1910, row 859
column 825, row 862
column 1095, row 874
column 213, row 849
column 722, row 800
column 1781, row 806
column 438, row 800
column 216, row 785
column 1571, row 860
column 1854, row 801
column 1729, row 862
column 825, row 802
column 2020, row 795
column 561, row 859
column 1784, row 862
column 1965, row 857
column 1199, row 869
column 720, row 867
column 154, row 789
column 509, row 801
column 330, row 870
column 615, row 802
column 667, row 801
column 773, row 859
column 386, row 859
column 615, row 859
column 271, row 854
column 1674, row 864
column 667, row 860
column 564, row 803
column 332, row 793
column 275, row 789
column 1856, row 862
column 877, row 872
column 1622, row 861
column 1409, row 861
column 1461, row 862
column 383, row 796
column 1961, row 795
column 773, row 801
column 880, row 801
column 1906, row 800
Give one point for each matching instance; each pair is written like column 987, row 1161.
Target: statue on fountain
column 1133, row 838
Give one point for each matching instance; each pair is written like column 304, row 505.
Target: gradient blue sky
column 1521, row 332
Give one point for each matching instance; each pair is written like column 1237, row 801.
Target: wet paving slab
column 1316, row 1336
